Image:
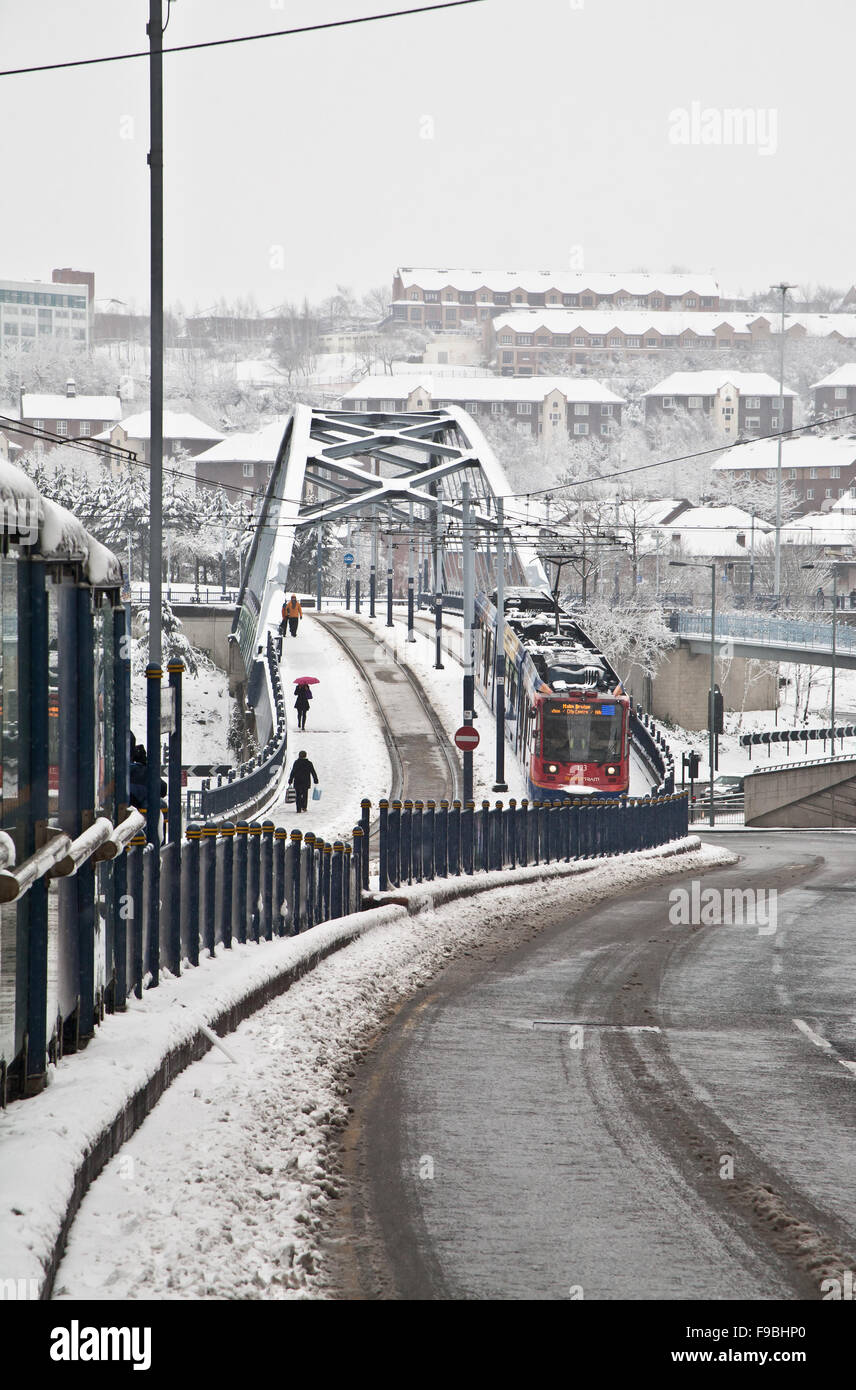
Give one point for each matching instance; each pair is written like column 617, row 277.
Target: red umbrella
column 306, row 680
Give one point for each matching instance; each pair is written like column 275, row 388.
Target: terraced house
column 818, row 469
column 740, row 404
column 532, row 340
column 551, row 407
column 443, row 300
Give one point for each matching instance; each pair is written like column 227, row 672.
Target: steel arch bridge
column 368, row 471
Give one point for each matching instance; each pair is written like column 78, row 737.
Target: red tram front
column 581, row 744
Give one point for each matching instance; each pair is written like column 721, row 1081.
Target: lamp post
column 783, row 290
column 834, row 567
column 711, row 712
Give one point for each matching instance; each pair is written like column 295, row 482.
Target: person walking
column 291, row 613
column 301, row 704
column 302, row 773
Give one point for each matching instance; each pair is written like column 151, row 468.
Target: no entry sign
column 467, row 738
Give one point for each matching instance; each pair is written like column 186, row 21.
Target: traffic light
column 691, row 762
column 718, row 711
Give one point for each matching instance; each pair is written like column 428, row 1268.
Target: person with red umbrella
column 302, row 697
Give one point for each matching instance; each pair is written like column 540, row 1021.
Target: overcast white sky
column 551, row 131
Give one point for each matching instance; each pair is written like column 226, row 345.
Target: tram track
column 423, row 759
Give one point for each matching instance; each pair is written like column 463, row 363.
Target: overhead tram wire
column 245, row 38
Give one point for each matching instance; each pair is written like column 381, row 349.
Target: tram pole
column 373, row 572
column 469, row 620
column 411, row 635
column 318, row 563
column 154, row 672
column 437, row 558
column 357, row 589
column 500, row 785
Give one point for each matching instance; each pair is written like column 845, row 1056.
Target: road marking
column 601, row 1027
column 813, row 1036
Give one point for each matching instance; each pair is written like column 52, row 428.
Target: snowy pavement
column 223, row 1191
column 342, row 739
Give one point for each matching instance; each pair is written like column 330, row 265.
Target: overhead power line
column 242, row 38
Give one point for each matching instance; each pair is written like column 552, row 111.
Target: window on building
column 505, row 338
column 752, row 402
column 634, row 342
column 694, row 402
column 38, row 424
column 388, row 406
column 467, row 297
column 569, row 300
column 414, row 294
column 607, row 431
column 841, row 491
column 579, row 342
column 451, row 313
column 774, row 422
column 581, row 427
column 606, row 410
column 496, row 406
column 472, row 407
column 812, row 472
column 809, row 493
column 84, row 429
column 524, row 407
column 828, row 492
column 248, row 470
column 655, row 302
column 597, row 341
column 839, row 411
column 508, row 357
column 835, row 472
column 650, row 342
column 691, row 302
column 792, row 473
column 524, row 339
column 416, row 314
column 841, row 393
column 432, row 296
column 581, row 408
column 587, row 301
column 615, row 342
column 501, row 299
column 752, row 422
column 62, row 427
column 561, row 340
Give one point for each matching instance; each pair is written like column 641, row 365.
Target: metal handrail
column 121, row 836
column 791, row 632
column 796, row 764
column 15, row 882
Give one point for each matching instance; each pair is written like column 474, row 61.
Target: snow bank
column 283, row 1102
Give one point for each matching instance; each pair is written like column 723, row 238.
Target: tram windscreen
column 577, row 732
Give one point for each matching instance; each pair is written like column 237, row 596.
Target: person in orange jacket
column 291, row 613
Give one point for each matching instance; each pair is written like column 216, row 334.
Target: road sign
column 467, row 738
column 348, row 558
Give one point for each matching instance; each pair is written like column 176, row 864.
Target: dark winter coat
column 302, row 698
column 302, row 772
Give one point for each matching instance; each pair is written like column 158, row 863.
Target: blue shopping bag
column 316, row 793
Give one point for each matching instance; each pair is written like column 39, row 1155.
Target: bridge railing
column 790, row 632
column 424, row 840
column 247, row 784
column 654, row 749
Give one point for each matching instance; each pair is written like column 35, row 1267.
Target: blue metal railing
column 248, row 783
column 788, row 632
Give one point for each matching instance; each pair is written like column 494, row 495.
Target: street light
column 711, row 712
column 783, row 290
column 833, row 565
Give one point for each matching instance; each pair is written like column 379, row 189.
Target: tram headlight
column 611, row 771
column 551, row 767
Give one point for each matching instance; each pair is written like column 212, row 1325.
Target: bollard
column 293, row 881
column 277, row 885
column 192, row 860
column 135, row 889
column 326, row 868
column 523, row 826
column 207, row 885
column 347, row 868
column 483, row 837
column 359, row 850
column 455, row 838
column 227, row 874
column 441, row 853
column 428, row 833
column 337, row 889
column 407, row 842
column 419, row 840
column 511, row 813
column 497, row 835
column 239, row 881
column 394, row 844
column 383, row 847
column 468, row 837
column 310, row 872
column 365, row 811
column 254, row 880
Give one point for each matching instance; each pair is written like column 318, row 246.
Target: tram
column 567, row 716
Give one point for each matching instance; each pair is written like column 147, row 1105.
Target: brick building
column 460, row 299
column 739, row 404
column 548, row 406
column 528, row 342
column 69, row 417
column 835, row 395
column 241, row 461
column 182, row 432
column 818, row 469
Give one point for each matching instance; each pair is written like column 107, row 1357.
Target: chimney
column 70, row 388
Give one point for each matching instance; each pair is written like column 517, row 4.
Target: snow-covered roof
column 632, row 282
column 262, row 446
column 60, row 534
column 818, row 325
column 39, row 407
column 713, row 531
column 821, row 528
column 709, row 383
column 847, row 503
column 669, row 322
column 176, row 425
column 807, row 451
column 844, row 375
column 480, row 388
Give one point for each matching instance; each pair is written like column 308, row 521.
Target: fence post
column 523, row 827
column 135, row 884
column 336, row 877
column 295, row 850
column 347, row 867
column 309, row 862
column 277, row 886
column 394, row 844
column 327, row 864
column 254, row 846
column 407, row 841
column 239, row 889
column 455, row 838
column 151, row 890
column 208, row 884
column 227, row 835
column 511, row 833
column 194, row 843
column 383, row 847
column 359, row 851
column 468, row 836
column 428, row 833
column 482, row 833
column 266, row 830
column 417, row 846
column 441, row 857
column 365, row 810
